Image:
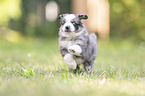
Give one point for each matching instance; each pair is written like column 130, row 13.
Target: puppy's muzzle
column 67, row 29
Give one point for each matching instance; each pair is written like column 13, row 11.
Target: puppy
column 75, row 44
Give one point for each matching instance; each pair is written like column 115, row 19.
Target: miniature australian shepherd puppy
column 75, row 44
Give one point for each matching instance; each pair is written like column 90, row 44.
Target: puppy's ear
column 61, row 16
column 82, row 16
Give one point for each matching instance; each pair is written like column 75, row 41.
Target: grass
column 34, row 67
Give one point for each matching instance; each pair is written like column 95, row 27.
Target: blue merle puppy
column 75, row 44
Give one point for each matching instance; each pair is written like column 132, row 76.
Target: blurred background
column 123, row 19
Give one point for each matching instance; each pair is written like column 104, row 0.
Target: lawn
column 34, row 67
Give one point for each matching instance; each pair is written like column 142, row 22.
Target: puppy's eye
column 73, row 22
column 63, row 22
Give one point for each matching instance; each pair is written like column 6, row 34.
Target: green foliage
column 28, row 17
column 34, row 67
column 127, row 18
column 10, row 9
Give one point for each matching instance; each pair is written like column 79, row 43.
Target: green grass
column 34, row 67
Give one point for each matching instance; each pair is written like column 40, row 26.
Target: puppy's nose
column 67, row 27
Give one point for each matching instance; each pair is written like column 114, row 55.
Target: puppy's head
column 71, row 23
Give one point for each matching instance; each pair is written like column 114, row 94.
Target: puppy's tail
column 93, row 46
column 93, row 38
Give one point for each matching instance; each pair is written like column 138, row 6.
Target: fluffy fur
column 75, row 44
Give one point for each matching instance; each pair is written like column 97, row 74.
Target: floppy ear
column 61, row 16
column 82, row 16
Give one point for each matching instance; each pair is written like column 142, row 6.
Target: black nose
column 67, row 27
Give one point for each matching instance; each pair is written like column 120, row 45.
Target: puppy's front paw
column 75, row 49
column 71, row 50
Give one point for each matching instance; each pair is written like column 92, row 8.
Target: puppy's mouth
column 67, row 31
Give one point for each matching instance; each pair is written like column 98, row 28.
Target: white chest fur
column 66, row 44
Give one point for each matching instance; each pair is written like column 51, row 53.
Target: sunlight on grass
column 35, row 67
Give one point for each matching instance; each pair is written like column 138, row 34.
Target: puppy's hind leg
column 88, row 65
